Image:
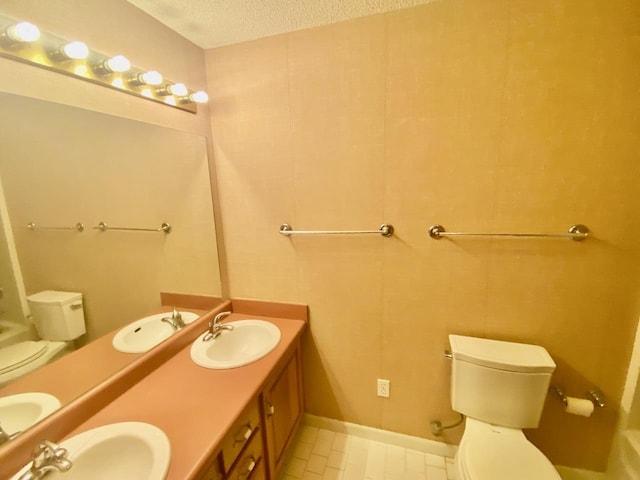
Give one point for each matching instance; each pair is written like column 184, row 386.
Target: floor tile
column 415, row 461
column 311, row 476
column 332, row 474
column 309, row 434
column 316, row 464
column 322, row 446
column 435, row 460
column 320, row 454
column 337, row 460
column 436, row 473
column 296, row 467
column 302, row 450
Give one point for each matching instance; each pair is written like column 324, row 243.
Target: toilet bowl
column 24, row 357
column 500, row 387
column 500, row 453
column 59, row 319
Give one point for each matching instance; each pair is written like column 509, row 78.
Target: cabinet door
column 282, row 403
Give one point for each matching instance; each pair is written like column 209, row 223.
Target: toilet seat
column 19, row 354
column 490, row 452
column 24, row 357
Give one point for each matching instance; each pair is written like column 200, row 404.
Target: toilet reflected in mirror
column 59, row 319
column 62, row 165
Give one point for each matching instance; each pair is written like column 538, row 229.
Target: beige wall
column 481, row 115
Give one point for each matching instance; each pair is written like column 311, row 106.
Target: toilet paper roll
column 579, row 406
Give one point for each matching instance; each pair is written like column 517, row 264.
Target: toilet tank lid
column 53, row 297
column 509, row 356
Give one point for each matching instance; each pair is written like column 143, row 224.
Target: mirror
column 62, row 165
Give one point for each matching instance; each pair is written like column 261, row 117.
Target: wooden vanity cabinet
column 242, row 456
column 255, row 445
column 282, row 407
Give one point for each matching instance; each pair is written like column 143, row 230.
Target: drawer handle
column 252, row 464
column 243, row 437
column 270, row 409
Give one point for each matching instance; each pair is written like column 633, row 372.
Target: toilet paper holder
column 595, row 395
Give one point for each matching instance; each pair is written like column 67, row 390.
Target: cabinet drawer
column 244, row 429
column 251, row 464
column 213, row 473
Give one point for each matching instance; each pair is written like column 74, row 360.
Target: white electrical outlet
column 383, row 388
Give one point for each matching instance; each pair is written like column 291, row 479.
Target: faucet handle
column 48, row 454
column 176, row 315
column 220, row 316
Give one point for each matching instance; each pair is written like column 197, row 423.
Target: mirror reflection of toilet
column 501, row 388
column 59, row 319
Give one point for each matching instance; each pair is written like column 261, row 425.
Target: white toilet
column 501, row 388
column 59, row 319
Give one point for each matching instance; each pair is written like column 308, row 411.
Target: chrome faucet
column 175, row 320
column 215, row 327
column 6, row 437
column 47, row 457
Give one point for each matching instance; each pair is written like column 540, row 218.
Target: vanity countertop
column 196, row 406
column 90, row 364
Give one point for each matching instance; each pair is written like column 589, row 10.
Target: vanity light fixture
column 71, row 51
column 151, row 77
column 22, row 32
column 24, row 42
column 117, row 64
column 199, row 97
column 177, row 89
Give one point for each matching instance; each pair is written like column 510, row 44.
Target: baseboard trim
column 385, row 436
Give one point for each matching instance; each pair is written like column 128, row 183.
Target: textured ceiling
column 212, row 23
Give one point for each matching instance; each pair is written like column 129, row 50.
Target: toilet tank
column 57, row 315
column 502, row 383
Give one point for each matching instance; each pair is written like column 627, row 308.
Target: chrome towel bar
column 385, row 230
column 577, row 233
column 165, row 227
column 78, row 226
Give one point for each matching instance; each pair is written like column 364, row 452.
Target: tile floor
column 319, row 454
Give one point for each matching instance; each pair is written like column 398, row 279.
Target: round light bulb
column 23, row 32
column 150, row 78
column 75, row 50
column 178, row 89
column 117, row 64
column 199, row 97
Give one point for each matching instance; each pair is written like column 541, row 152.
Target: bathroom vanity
column 222, row 424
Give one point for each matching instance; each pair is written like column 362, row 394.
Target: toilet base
column 492, row 452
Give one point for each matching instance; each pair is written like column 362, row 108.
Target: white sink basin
column 122, row 451
column 144, row 334
column 21, row 411
column 249, row 341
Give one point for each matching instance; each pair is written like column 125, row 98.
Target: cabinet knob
column 250, row 466
column 269, row 410
column 243, row 435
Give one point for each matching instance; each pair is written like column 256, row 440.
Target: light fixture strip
column 46, row 52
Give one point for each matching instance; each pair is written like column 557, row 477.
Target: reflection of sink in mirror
column 19, row 412
column 59, row 319
column 120, row 274
column 250, row 340
column 122, row 451
column 144, row 334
